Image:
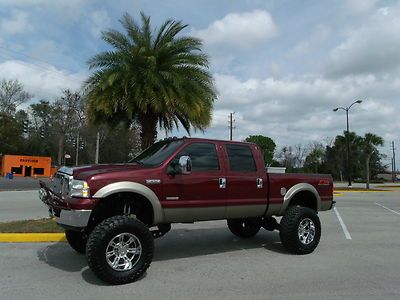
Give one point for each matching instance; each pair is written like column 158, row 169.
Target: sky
column 280, row 66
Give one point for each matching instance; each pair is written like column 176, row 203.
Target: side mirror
column 185, row 165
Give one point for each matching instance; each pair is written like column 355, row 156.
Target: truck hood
column 88, row 171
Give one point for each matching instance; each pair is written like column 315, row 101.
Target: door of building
column 28, row 171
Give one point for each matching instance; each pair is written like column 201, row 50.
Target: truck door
column 200, row 195
column 246, row 181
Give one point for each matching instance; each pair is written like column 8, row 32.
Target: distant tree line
column 59, row 127
column 329, row 157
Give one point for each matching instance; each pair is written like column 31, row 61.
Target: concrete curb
column 31, row 237
column 364, row 191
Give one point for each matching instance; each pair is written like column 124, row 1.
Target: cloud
column 241, row 30
column 43, row 81
column 17, row 23
column 372, row 48
column 318, row 36
column 100, row 21
column 295, row 110
column 359, row 6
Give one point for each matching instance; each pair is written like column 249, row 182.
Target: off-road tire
column 245, row 228
column 77, row 240
column 100, row 238
column 289, row 229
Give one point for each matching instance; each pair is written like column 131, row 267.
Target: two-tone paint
column 206, row 195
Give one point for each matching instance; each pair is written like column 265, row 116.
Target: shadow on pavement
column 179, row 243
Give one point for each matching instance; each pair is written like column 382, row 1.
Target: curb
column 31, row 237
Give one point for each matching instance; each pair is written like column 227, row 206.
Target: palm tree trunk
column 148, row 133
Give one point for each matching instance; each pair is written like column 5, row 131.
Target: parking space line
column 393, row 211
column 344, row 227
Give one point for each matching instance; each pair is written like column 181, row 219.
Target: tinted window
column 240, row 158
column 203, row 156
column 156, row 154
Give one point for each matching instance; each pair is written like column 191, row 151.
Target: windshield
column 158, row 153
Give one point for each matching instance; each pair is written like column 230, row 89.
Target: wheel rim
column 123, row 252
column 306, row 231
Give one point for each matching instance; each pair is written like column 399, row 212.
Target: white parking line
column 393, row 211
column 344, row 227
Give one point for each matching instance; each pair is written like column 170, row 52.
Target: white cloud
column 359, row 6
column 295, row 110
column 100, row 21
column 242, row 30
column 372, row 48
column 43, row 81
column 17, row 23
column 318, row 36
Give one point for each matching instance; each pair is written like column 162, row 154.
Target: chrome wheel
column 123, row 252
column 306, row 231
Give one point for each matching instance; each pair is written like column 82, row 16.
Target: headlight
column 79, row 188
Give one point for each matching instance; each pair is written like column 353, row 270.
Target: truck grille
column 61, row 184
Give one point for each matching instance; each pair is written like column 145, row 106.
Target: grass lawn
column 30, row 226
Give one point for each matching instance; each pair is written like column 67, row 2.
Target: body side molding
column 134, row 187
column 300, row 187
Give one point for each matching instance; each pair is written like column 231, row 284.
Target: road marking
column 393, row 211
column 344, row 227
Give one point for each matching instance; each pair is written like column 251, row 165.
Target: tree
column 66, row 117
column 266, row 144
column 315, row 158
column 152, row 77
column 368, row 145
column 12, row 95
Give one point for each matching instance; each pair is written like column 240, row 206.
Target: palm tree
column 369, row 143
column 151, row 77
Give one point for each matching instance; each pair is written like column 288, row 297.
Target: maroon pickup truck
column 113, row 212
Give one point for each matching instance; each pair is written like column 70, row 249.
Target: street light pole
column 346, row 109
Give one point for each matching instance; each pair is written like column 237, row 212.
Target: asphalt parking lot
column 356, row 259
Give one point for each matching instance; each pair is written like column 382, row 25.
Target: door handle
column 259, row 183
column 222, row 183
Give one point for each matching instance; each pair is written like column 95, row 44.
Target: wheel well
column 123, row 203
column 305, row 199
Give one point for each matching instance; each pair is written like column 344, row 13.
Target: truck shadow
column 179, row 243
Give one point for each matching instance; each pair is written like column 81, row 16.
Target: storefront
column 26, row 166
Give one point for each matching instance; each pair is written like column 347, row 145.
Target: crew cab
column 113, row 212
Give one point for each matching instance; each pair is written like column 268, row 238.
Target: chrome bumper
column 74, row 218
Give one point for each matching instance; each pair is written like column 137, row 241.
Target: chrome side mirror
column 185, row 165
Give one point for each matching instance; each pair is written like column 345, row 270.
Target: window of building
column 38, row 171
column 203, row 156
column 240, row 158
column 16, row 170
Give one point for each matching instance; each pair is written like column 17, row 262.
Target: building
column 26, row 166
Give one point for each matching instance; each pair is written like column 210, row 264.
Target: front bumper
column 58, row 208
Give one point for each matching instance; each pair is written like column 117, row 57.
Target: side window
column 203, row 155
column 240, row 158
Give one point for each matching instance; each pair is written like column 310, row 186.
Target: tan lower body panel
column 177, row 215
column 326, row 205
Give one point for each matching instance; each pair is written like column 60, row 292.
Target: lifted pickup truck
column 113, row 212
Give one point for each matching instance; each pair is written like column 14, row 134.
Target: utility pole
column 394, row 163
column 77, row 150
column 231, row 127
column 97, row 147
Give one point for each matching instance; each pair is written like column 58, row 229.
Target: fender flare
column 294, row 190
column 134, row 187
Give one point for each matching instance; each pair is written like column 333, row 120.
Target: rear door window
column 240, row 158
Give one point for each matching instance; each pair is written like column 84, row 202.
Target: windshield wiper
column 136, row 161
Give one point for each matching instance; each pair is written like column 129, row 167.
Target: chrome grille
column 61, row 184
